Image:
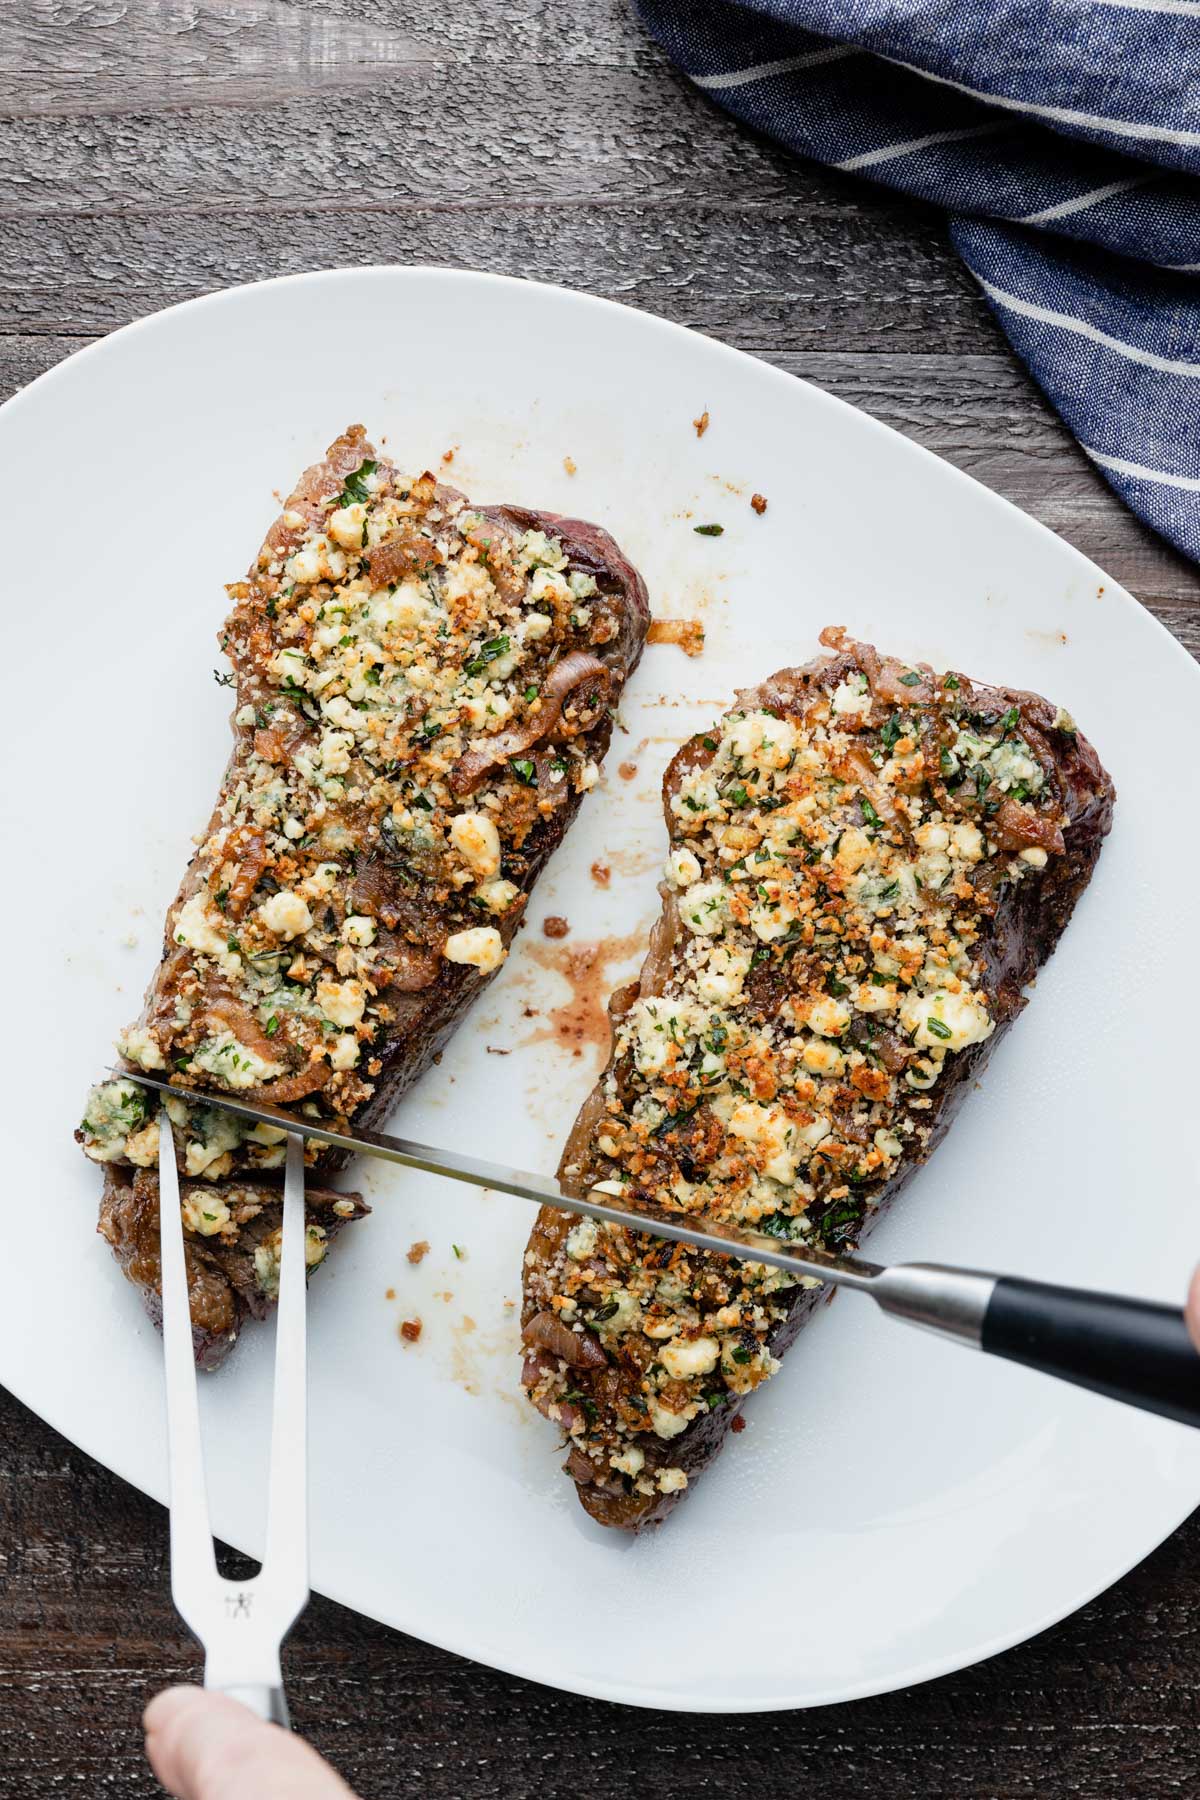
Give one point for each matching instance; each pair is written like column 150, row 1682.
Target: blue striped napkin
column 1062, row 136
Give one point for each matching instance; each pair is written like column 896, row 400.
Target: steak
column 232, row 1234
column 424, row 692
column 868, row 863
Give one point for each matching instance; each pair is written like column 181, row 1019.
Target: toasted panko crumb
column 701, row 424
column 569, row 464
column 418, row 1251
column 410, row 1331
column 687, row 633
column 759, row 503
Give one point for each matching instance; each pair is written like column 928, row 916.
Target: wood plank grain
column 151, row 150
column 762, row 277
column 1103, row 1707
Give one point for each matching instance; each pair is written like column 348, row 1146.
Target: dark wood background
column 151, row 150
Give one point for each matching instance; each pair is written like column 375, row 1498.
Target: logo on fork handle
column 237, row 1606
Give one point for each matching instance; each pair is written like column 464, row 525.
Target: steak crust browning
column 424, row 691
column 231, row 1247
column 868, row 864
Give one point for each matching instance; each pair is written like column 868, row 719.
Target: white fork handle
column 241, row 1624
column 243, row 1655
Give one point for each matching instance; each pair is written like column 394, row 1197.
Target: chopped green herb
column 708, row 530
column 524, row 769
column 494, row 647
column 910, row 680
column 938, row 1029
column 272, row 1025
column 869, row 813
column 355, row 488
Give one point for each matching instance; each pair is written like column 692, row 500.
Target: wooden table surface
column 151, row 150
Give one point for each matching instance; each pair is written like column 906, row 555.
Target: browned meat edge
column 1027, row 926
column 223, row 1289
column 425, row 1019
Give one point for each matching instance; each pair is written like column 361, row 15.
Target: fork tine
column 286, row 1563
column 193, row 1564
column 240, row 1624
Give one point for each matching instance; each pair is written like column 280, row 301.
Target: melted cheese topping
column 393, row 651
column 834, row 870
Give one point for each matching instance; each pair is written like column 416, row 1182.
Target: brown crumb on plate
column 701, row 424
column 418, row 1252
column 569, row 464
column 687, row 633
column 555, row 927
column 601, row 874
column 410, row 1331
column 759, row 503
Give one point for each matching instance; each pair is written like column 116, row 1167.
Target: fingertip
column 191, row 1729
column 164, row 1708
column 1192, row 1309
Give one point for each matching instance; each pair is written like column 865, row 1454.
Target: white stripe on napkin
column 760, row 71
column 1190, row 7
column 1190, row 483
column 1065, row 207
column 889, row 152
column 1128, row 128
column 1081, row 327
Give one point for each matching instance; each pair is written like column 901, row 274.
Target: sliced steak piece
column 868, row 863
column 425, row 690
column 231, row 1247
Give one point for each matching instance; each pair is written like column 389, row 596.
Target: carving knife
column 1136, row 1351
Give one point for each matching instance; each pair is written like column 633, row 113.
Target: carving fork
column 240, row 1624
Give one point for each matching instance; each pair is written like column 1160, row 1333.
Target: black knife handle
column 1131, row 1350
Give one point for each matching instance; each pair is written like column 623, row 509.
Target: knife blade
column 1135, row 1351
column 598, row 1204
